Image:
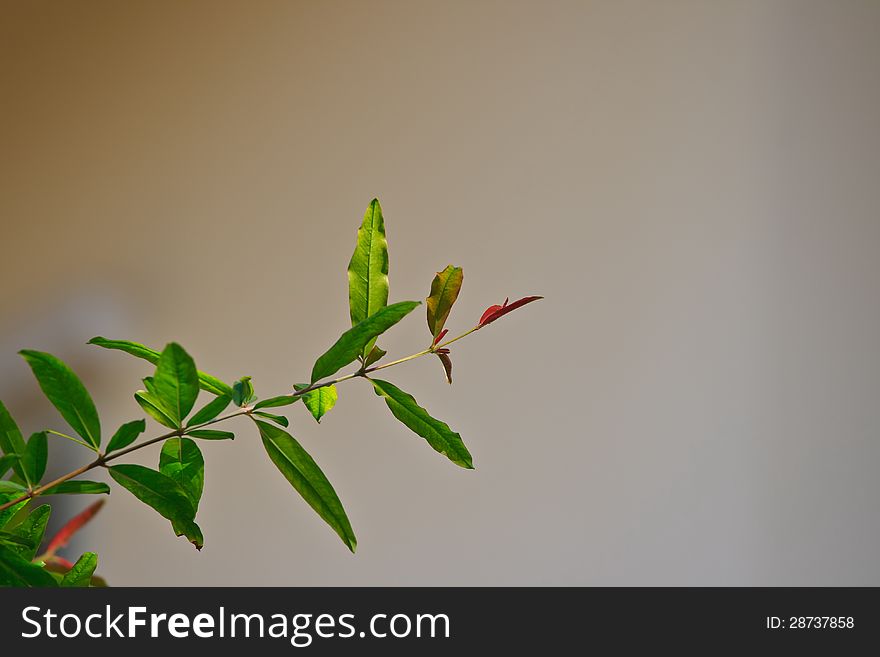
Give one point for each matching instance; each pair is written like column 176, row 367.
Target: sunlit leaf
column 154, row 408
column 126, row 435
column 351, row 344
column 155, row 489
column 243, row 392
column 307, row 478
column 210, row 410
column 176, row 382
column 7, row 495
column 319, row 401
column 275, row 402
column 181, row 459
column 368, row 270
column 67, row 393
column 79, row 487
column 81, row 573
column 277, row 419
column 444, row 291
column 210, row 434
column 437, row 433
column 31, row 529
column 207, row 382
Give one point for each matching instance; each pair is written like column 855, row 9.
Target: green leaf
column 352, row 343
column 126, row 435
column 154, row 408
column 7, row 494
column 437, row 433
column 374, row 356
column 368, row 270
column 191, row 530
column 306, row 477
column 243, row 392
column 11, row 441
column 176, row 382
column 67, row 393
column 275, row 402
column 81, row 573
column 277, row 419
column 31, row 530
column 319, row 401
column 79, row 487
column 6, row 462
column 207, row 382
column 19, row 572
column 210, row 410
column 211, row 434
column 444, row 291
column 155, row 489
column 35, row 457
column 15, row 542
column 181, row 459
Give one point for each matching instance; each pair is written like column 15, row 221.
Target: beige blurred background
column 692, row 185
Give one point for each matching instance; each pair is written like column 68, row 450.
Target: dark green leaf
column 306, row 477
column 31, row 530
column 81, row 573
column 35, row 457
column 319, row 401
column 351, row 344
column 19, row 572
column 243, row 391
column 275, row 402
column 210, row 410
column 79, row 487
column 16, row 543
column 6, row 462
column 211, row 434
column 155, row 489
column 207, row 382
column 8, row 486
column 277, row 419
column 375, row 355
column 191, row 530
column 444, row 291
column 126, row 435
column 67, row 393
column 437, row 433
column 368, row 270
column 11, row 441
column 176, row 382
column 154, row 408
column 181, row 459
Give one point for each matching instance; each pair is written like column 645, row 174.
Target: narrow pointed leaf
column 19, row 572
column 207, row 382
column 319, row 401
column 211, row 434
column 67, row 393
column 35, row 457
column 176, row 382
column 368, row 270
column 11, row 441
column 7, row 496
column 16, row 543
column 126, row 435
column 277, row 419
column 81, row 573
column 444, row 291
column 351, row 344
column 210, row 410
column 31, row 530
column 275, row 402
column 9, row 486
column 79, row 487
column 181, row 459
column 72, row 526
column 154, row 489
column 437, row 433
column 154, row 408
column 447, row 366
column 307, row 478
column 494, row 312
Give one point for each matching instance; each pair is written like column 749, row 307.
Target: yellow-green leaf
column 444, row 291
column 368, row 269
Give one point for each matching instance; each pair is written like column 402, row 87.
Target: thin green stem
column 103, row 459
column 76, row 440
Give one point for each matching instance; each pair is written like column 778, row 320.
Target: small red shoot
column 439, row 337
column 73, row 525
column 494, row 312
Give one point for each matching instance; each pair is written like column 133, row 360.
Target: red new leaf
column 439, row 337
column 76, row 523
column 494, row 312
column 443, row 355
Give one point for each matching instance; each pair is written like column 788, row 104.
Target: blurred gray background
column 692, row 185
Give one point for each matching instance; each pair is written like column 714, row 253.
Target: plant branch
column 102, row 459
